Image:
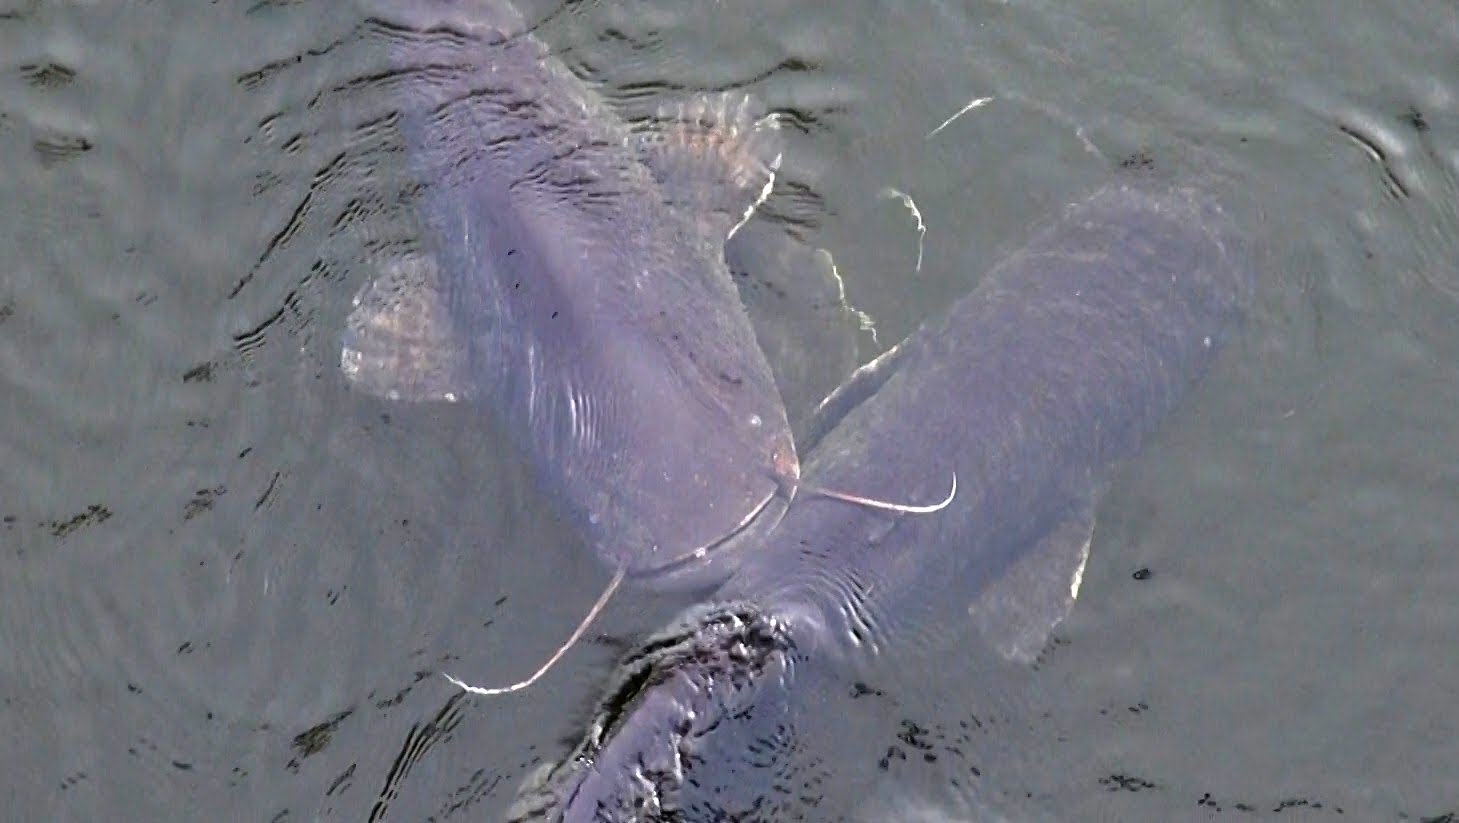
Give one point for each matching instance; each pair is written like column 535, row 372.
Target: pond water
column 228, row 582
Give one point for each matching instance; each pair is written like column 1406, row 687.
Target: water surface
column 228, row 580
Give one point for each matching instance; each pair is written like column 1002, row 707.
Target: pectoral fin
column 399, row 341
column 1017, row 612
column 860, row 386
column 714, row 155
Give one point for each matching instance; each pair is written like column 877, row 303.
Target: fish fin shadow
column 791, row 293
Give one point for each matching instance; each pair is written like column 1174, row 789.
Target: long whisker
column 576, row 635
column 888, row 506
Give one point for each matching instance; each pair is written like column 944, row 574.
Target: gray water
column 228, row 583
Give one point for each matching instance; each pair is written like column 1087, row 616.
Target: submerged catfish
column 572, row 280
column 1059, row 363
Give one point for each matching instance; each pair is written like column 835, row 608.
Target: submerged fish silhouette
column 1059, row 363
column 572, row 280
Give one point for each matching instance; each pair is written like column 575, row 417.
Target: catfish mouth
column 697, row 566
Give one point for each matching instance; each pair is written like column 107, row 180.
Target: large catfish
column 1061, row 361
column 572, row 281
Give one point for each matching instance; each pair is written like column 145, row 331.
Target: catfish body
column 1061, row 361
column 1064, row 358
column 565, row 284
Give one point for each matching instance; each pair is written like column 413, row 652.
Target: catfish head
column 687, row 730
